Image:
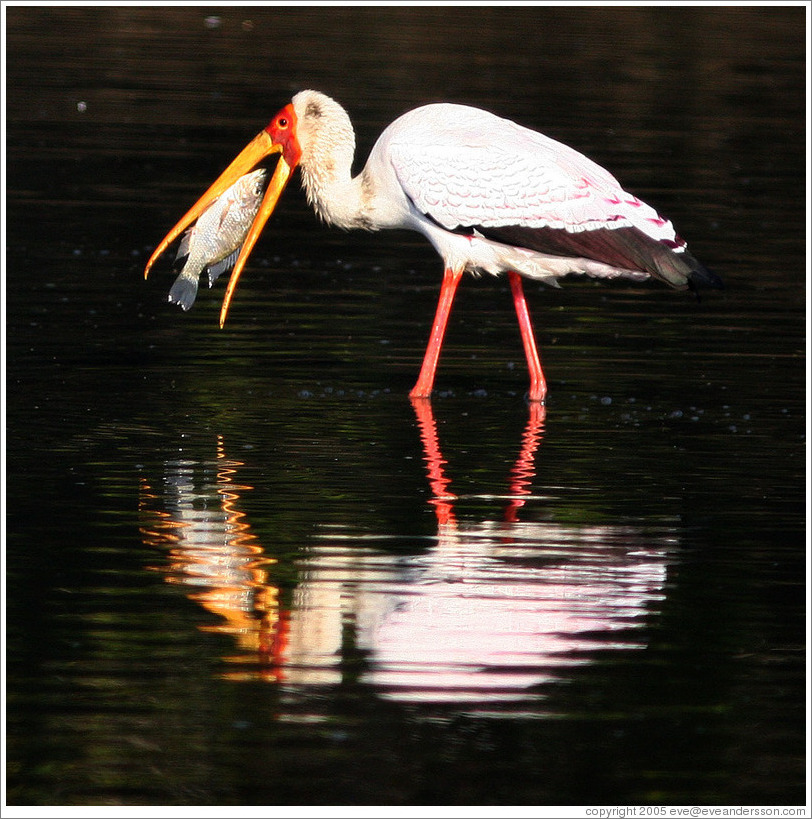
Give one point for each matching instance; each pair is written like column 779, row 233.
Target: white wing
column 466, row 168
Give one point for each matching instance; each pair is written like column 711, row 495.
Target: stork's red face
column 282, row 131
column 278, row 137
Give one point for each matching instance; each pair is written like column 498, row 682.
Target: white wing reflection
column 487, row 613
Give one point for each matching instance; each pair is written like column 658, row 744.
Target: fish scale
column 213, row 243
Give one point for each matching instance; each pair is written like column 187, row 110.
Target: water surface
column 244, row 569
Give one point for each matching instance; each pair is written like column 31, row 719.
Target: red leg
column 538, row 385
column 425, row 381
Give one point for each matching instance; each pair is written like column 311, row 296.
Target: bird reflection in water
column 499, row 607
column 213, row 550
column 489, row 612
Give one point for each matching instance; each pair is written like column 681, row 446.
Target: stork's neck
column 337, row 197
column 327, row 144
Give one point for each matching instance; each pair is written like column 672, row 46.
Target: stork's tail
column 674, row 266
column 623, row 252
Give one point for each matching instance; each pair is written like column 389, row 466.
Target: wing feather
column 468, row 168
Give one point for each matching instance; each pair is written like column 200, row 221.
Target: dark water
column 243, row 569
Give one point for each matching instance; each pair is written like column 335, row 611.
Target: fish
column 213, row 243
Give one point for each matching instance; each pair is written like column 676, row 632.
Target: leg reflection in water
column 521, row 476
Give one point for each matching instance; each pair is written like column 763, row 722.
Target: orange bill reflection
column 195, row 517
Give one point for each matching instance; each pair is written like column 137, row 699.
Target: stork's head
column 295, row 134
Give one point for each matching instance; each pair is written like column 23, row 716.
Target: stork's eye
column 282, row 122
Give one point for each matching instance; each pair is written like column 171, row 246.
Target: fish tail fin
column 184, row 291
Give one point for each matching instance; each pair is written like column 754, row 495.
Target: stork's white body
column 443, row 167
column 491, row 196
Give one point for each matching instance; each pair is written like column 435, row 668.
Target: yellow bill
column 258, row 149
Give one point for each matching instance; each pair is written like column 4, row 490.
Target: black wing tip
column 701, row 276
